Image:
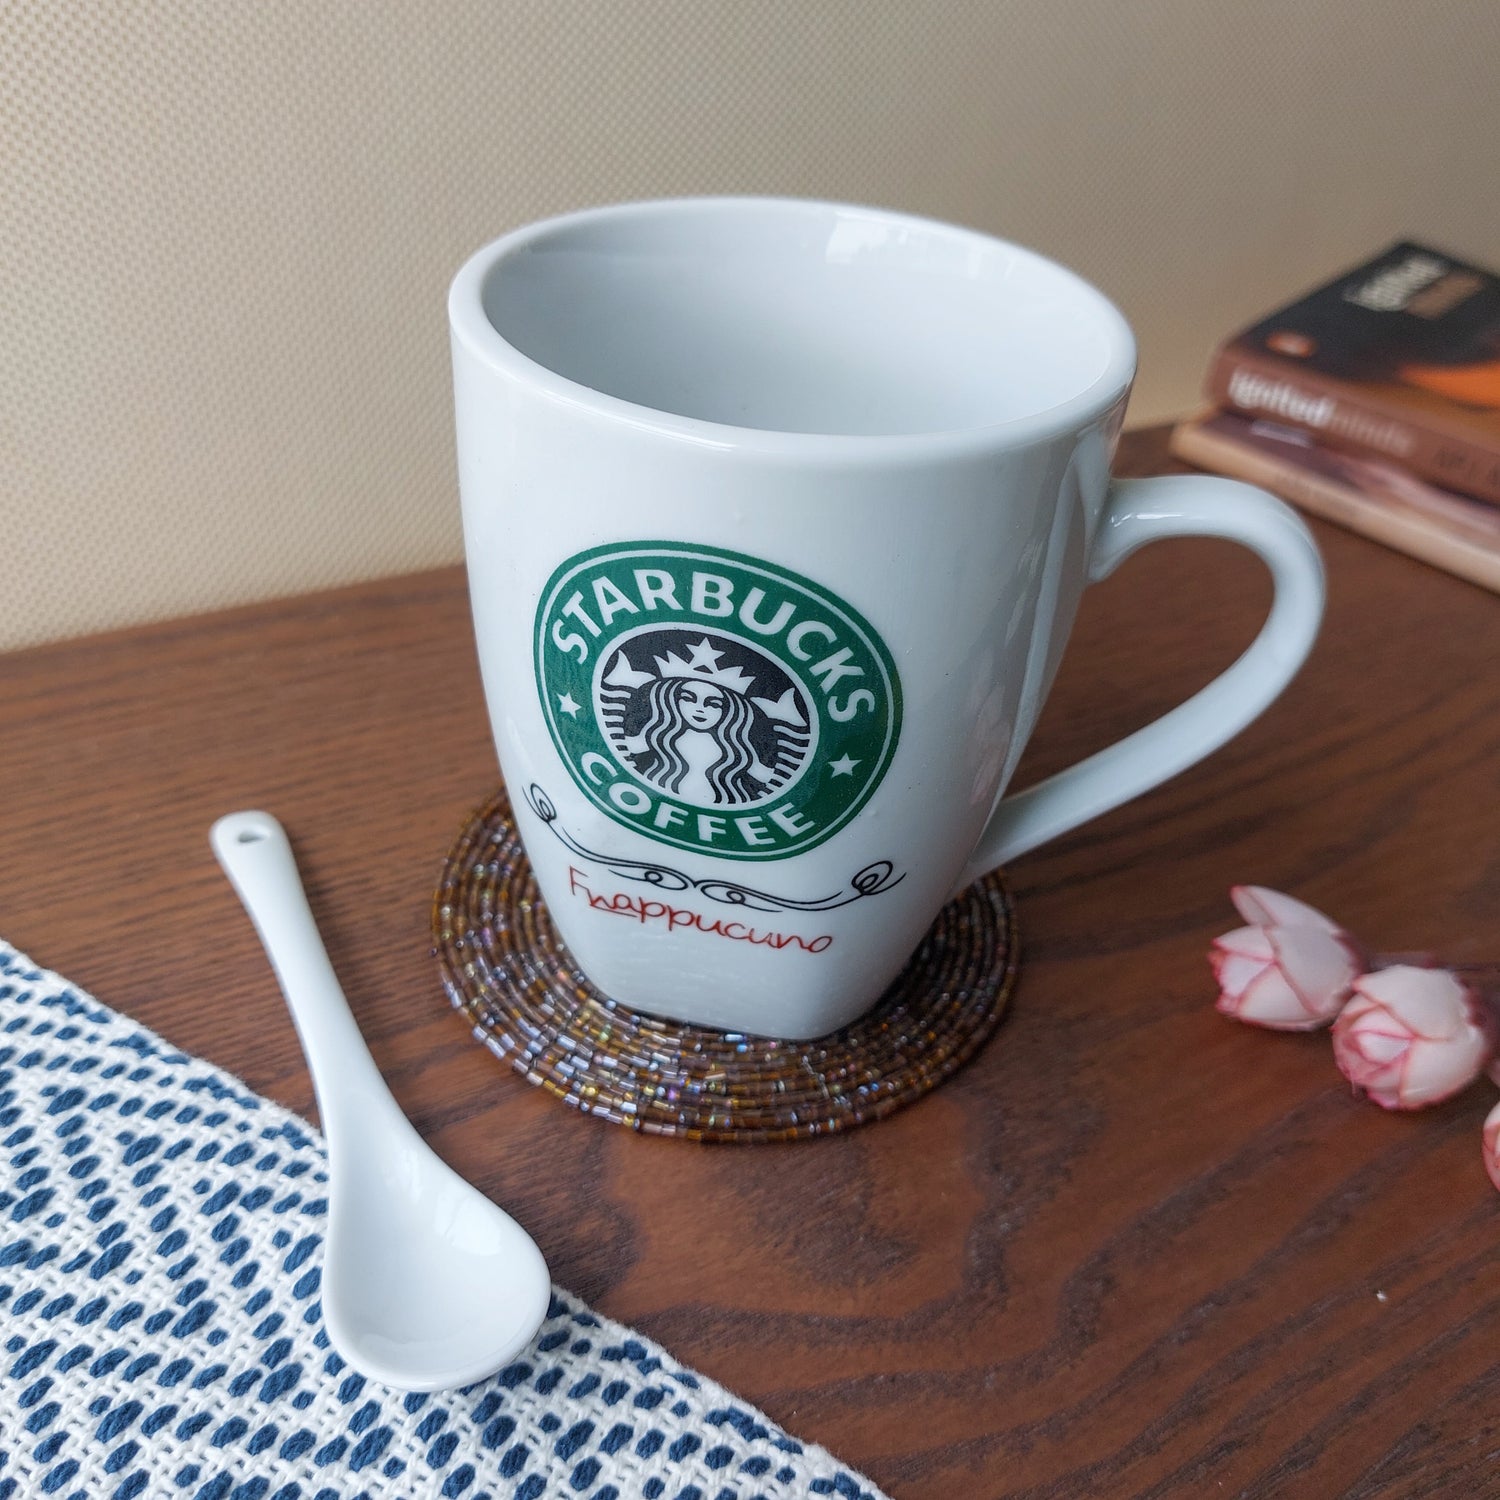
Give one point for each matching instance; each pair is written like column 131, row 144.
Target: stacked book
column 1374, row 402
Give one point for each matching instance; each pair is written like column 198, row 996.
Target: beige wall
column 228, row 227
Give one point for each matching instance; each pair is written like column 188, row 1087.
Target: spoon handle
column 253, row 849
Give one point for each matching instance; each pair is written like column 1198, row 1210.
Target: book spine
column 1422, row 536
column 1258, row 385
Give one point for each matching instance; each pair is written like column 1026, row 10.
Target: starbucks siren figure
column 696, row 744
column 698, row 729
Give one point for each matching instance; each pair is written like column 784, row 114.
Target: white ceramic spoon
column 426, row 1284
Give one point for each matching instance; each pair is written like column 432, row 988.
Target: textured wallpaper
column 228, row 228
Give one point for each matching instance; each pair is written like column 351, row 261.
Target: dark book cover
column 1398, row 357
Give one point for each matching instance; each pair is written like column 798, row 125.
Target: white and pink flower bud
column 1411, row 1037
column 1492, row 1145
column 1288, row 979
column 1292, row 969
column 1260, row 906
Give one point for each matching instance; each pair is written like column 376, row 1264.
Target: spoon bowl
column 427, row 1285
column 417, row 1304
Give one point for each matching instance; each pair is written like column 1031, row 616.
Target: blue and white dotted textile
column 160, row 1239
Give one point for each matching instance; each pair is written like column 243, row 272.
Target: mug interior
column 801, row 317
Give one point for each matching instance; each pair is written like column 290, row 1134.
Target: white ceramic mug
column 777, row 514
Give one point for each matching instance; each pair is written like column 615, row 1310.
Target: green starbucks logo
column 712, row 701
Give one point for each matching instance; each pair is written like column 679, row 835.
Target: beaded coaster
column 506, row 969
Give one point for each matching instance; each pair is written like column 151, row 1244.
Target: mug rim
column 471, row 327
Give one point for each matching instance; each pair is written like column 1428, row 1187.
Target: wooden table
column 1133, row 1249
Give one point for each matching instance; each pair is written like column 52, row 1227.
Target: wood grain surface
column 1133, row 1249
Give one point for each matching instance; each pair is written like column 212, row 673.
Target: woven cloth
column 161, row 1229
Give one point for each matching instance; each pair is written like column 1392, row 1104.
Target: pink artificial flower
column 1412, row 1037
column 1292, row 969
column 1260, row 906
column 1492, row 1145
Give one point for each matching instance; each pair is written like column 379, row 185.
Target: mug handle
column 1145, row 510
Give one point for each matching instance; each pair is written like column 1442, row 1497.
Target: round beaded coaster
column 506, row 969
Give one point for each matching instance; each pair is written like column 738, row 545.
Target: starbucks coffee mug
column 777, row 514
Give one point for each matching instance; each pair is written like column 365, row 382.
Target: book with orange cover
column 1369, row 495
column 1397, row 359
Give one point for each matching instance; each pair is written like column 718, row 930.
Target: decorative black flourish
column 870, row 881
column 627, row 869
